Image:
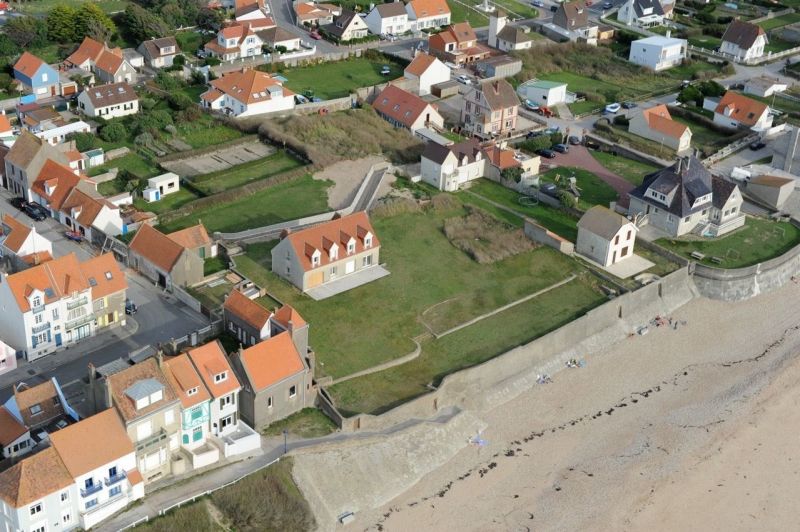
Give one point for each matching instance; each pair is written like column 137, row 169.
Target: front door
column 350, row 267
column 162, row 280
column 58, row 339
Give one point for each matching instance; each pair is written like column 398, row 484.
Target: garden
column 629, row 169
column 757, row 241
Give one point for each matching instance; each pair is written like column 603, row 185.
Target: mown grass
column 167, row 203
column 779, row 22
column 245, row 173
column 206, row 131
column 757, row 241
column 632, row 171
column 307, row 423
column 593, row 190
column 337, row 79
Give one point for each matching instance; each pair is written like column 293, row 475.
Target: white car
column 464, row 79
column 612, row 108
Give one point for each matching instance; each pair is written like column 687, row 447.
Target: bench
column 716, row 260
column 696, row 255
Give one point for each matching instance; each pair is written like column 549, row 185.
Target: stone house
column 490, row 110
column 162, row 260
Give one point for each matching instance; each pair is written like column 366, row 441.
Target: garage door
column 350, row 267
column 70, row 89
column 314, row 279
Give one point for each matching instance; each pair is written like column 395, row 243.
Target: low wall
column 627, row 152
column 744, row 283
column 540, row 234
column 110, row 155
column 502, row 378
column 658, row 250
column 338, row 104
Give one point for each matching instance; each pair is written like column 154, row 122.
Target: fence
column 750, row 62
column 729, row 149
column 196, row 496
column 772, row 14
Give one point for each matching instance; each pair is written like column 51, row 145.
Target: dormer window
column 220, row 377
column 315, row 259
column 351, row 247
column 334, row 252
column 191, row 391
column 368, row 241
column 145, row 392
column 37, row 301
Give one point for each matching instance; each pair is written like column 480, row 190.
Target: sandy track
column 631, row 442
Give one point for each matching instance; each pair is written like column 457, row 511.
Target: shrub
column 212, row 61
column 179, row 60
column 484, row 238
column 621, row 120
column 147, row 103
column 567, row 199
column 691, row 94
column 190, row 114
column 281, row 49
column 83, row 141
column 512, row 174
column 537, row 143
column 556, row 138
column 167, row 81
column 114, row 132
column 180, row 101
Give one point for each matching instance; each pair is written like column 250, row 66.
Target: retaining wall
column 540, row 234
column 500, row 379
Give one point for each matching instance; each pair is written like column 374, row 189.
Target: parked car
column 130, row 307
column 18, row 202
column 534, row 134
column 550, row 189
column 315, row 35
column 612, row 108
column 757, row 145
column 629, row 105
column 561, row 148
column 548, row 154
column 544, row 111
column 530, row 105
column 537, row 3
column 35, row 212
column 607, row 5
column 385, row 70
column 464, row 79
column 553, row 8
column 575, row 141
column 74, row 236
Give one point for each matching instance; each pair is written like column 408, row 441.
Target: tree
column 567, row 199
column 711, row 88
column 83, row 141
column 27, row 31
column 92, row 22
column 61, row 22
column 167, row 81
column 537, row 143
column 197, row 78
column 143, row 24
column 512, row 174
column 114, row 132
column 180, row 101
column 209, row 19
column 179, row 60
column 7, row 47
column 691, row 94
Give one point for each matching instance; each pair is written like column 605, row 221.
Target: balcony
column 37, row 310
column 91, row 490
column 83, row 320
column 75, row 304
column 41, row 327
column 119, row 477
column 152, row 441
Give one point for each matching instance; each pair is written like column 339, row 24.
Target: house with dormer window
column 51, row 306
column 736, row 110
column 327, row 252
column 22, row 242
column 346, row 27
column 403, row 109
column 490, row 109
column 108, row 64
column 424, row 14
column 159, row 53
column 685, row 198
column 247, row 92
column 151, row 413
column 237, row 41
column 643, row 13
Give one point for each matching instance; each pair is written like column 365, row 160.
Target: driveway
column 579, row 157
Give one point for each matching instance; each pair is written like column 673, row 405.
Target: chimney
column 160, row 358
column 668, row 34
column 109, row 402
column 290, row 325
column 496, row 86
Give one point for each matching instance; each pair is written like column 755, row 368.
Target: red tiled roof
column 271, row 361
column 15, row 232
column 210, row 360
column 250, row 86
column 400, row 105
column 246, row 309
column 28, row 64
column 741, row 108
column 323, row 236
column 156, row 247
column 659, row 119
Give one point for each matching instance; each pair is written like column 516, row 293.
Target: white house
column 84, row 209
column 735, row 110
column 160, row 186
column 247, row 93
column 685, row 197
column 641, row 13
column 388, row 19
column 15, row 437
column 235, row 41
column 507, row 38
column 20, row 240
column 428, row 70
column 59, row 134
column 449, row 167
column 604, row 236
column 744, row 40
column 658, row 53
column 542, row 92
column 100, row 459
column 51, row 306
column 424, row 14
column 764, row 86
column 160, row 53
column 656, row 124
column 109, row 101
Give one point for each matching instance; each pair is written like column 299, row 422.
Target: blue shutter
column 33, row 341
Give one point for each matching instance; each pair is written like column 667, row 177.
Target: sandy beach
column 687, row 429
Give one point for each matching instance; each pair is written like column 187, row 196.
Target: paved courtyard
column 348, row 282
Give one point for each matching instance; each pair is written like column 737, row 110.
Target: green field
column 703, row 137
column 245, row 173
column 757, row 241
column 778, row 22
column 338, row 79
column 461, row 13
column 630, row 170
column 705, row 41
column 593, row 190
column 133, row 163
column 286, row 201
column 42, row 7
column 413, row 248
column 553, row 219
column 307, row 423
column 167, row 203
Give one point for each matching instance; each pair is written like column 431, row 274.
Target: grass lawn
column 621, row 135
column 777, row 22
column 461, row 13
column 578, row 83
column 688, row 71
column 339, row 79
column 630, row 170
column 455, row 137
column 553, row 219
column 515, row 9
column 212, row 296
column 190, row 41
column 287, row 201
column 214, row 265
column 757, row 241
column 586, row 106
column 594, row 191
column 470, row 346
column 166, row 203
column 414, row 248
column 245, row 173
column 705, row 41
column 776, row 44
column 206, row 132
column 706, row 139
column 133, row 163
column 307, row 423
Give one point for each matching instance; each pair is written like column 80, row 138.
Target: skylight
column 92, row 281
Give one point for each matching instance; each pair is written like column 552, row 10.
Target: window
column 616, row 240
column 112, row 472
column 88, row 483
column 334, row 270
column 366, row 261
column 169, row 417
column 40, row 529
column 227, row 421
column 37, row 319
column 116, row 490
column 219, row 377
column 44, row 76
column 66, row 518
column 36, row 509
column 37, row 301
column 197, row 413
column 292, row 391
column 193, row 391
column 629, row 234
column 269, row 402
column 351, row 247
column 55, row 313
column 36, row 409
column 90, row 504
column 225, row 401
column 197, row 434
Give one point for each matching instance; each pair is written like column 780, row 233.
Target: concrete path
column 579, row 157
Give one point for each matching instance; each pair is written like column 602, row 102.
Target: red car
column 74, row 236
column 315, row 35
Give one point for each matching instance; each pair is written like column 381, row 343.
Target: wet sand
column 687, row 429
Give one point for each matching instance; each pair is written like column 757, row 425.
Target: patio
column 348, row 282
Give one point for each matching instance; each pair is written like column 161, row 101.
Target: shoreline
column 613, row 434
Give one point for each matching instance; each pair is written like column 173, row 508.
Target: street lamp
column 285, row 433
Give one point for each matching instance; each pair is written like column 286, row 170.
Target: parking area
column 219, row 159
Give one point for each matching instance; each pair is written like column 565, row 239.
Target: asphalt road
column 160, row 318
